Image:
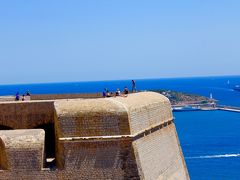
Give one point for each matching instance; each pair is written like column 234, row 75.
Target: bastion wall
column 130, row 137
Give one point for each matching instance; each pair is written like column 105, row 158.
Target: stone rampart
column 65, row 96
column 130, row 137
column 53, row 96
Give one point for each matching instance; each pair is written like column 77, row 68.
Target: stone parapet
column 26, row 115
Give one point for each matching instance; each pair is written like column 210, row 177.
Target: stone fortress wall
column 130, row 137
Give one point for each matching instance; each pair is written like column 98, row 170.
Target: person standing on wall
column 134, row 88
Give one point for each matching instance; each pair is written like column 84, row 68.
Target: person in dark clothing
column 134, row 88
column 125, row 91
column 104, row 94
column 105, row 91
column 118, row 92
column 28, row 93
column 23, row 97
column 17, row 97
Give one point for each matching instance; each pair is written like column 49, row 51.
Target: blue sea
column 210, row 140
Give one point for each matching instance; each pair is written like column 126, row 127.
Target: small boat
column 186, row 108
column 237, row 88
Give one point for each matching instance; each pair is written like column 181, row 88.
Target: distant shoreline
column 182, row 99
column 191, row 102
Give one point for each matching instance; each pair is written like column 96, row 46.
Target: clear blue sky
column 81, row 40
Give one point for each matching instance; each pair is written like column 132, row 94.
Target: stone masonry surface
column 130, row 137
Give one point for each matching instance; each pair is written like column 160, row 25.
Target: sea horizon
column 128, row 79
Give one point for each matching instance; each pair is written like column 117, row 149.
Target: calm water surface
column 210, row 141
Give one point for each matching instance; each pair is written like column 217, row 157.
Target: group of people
column 107, row 93
column 26, row 96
